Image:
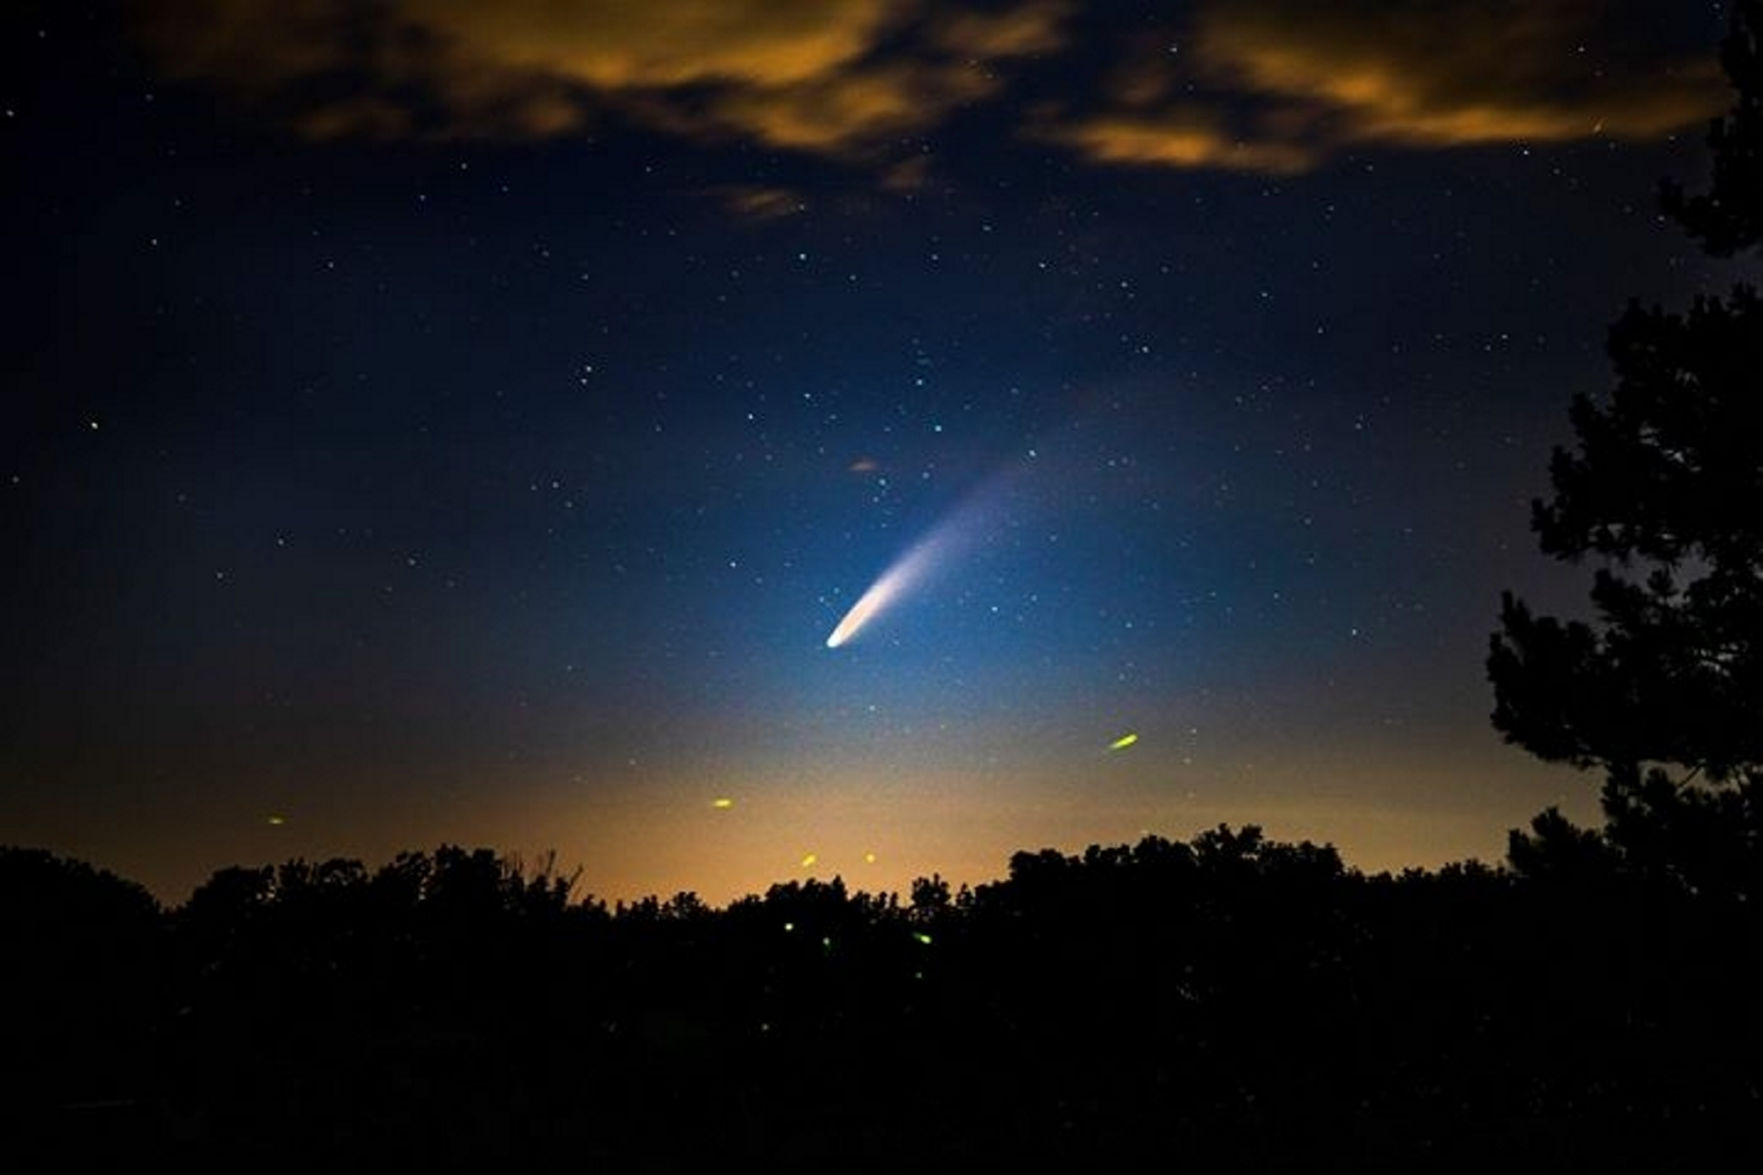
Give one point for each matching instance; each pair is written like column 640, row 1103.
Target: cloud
column 1447, row 75
column 843, row 111
column 907, row 175
column 621, row 44
column 833, row 77
column 1306, row 81
column 252, row 47
column 1024, row 31
column 1186, row 137
column 1276, row 86
column 759, row 202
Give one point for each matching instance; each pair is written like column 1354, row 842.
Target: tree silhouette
column 1665, row 487
column 1728, row 219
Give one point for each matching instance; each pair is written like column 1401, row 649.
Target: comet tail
column 887, row 589
column 953, row 534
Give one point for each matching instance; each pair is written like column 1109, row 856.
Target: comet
column 1123, row 742
column 903, row 574
column 952, row 533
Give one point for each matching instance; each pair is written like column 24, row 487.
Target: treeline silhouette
column 1231, row 1001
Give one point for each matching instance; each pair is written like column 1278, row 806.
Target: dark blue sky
column 478, row 440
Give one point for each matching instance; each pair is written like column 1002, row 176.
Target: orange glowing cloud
column 1186, row 137
column 758, row 202
column 1273, row 86
column 1306, row 81
column 1451, row 74
column 1025, row 31
column 840, row 111
column 831, row 77
column 616, row 44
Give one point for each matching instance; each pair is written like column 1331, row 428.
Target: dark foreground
column 1229, row 1005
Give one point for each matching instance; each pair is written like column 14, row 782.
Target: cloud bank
column 1277, row 86
column 833, row 77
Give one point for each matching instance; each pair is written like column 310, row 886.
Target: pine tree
column 1664, row 690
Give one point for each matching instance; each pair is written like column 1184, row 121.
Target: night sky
column 436, row 420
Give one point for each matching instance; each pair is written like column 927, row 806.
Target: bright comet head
column 871, row 602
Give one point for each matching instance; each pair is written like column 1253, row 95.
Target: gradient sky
column 443, row 421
